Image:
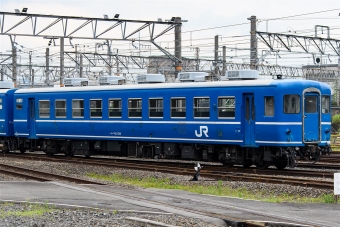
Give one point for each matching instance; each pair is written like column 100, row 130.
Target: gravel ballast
column 79, row 171
column 86, row 217
column 90, row 217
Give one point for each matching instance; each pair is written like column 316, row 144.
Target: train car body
column 6, row 112
column 237, row 122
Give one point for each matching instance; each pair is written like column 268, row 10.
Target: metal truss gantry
column 277, row 41
column 59, row 27
column 52, row 31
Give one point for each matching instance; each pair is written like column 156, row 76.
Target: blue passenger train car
column 257, row 122
column 6, row 115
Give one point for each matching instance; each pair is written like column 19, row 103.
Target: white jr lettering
column 203, row 130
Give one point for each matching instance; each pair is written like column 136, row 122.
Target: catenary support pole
column 224, row 64
column 253, row 43
column 14, row 65
column 178, row 45
column 61, row 62
column 30, row 67
column 47, row 66
column 81, row 66
column 216, row 55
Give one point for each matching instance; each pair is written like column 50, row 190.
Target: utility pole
column 117, row 64
column 109, row 57
column 76, row 57
column 32, row 77
column 14, row 65
column 224, row 63
column 30, row 67
column 62, row 62
column 253, row 43
column 2, row 73
column 197, row 59
column 216, row 55
column 47, row 66
column 178, row 45
column 81, row 66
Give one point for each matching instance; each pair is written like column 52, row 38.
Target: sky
column 206, row 19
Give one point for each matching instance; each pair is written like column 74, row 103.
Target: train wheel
column 228, row 164
column 5, row 148
column 280, row 164
column 247, row 163
column 69, row 152
column 22, row 150
column 262, row 165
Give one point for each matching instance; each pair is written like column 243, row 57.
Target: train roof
column 241, row 83
column 4, row 91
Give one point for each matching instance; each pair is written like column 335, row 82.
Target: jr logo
column 203, row 129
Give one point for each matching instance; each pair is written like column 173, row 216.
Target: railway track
column 39, row 175
column 208, row 171
column 211, row 171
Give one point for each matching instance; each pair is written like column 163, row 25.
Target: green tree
column 336, row 119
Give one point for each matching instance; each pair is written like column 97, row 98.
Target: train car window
column 291, row 104
column 178, row 107
column 60, row 108
column 247, row 108
column 201, row 107
column 44, row 108
column 311, row 104
column 0, row 104
column 325, row 100
column 115, row 108
column 96, row 108
column 155, row 107
column 19, row 104
column 77, row 108
column 226, row 107
column 269, row 106
column 135, row 107
column 252, row 109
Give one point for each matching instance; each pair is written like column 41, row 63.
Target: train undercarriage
column 261, row 157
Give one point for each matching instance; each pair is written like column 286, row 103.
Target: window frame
column 96, row 108
column 307, row 106
column 295, row 104
column 171, row 108
column 18, row 102
column 156, row 108
column 194, row 107
column 265, row 106
column 49, row 108
column 78, row 108
column 120, row 108
column 329, row 104
column 218, row 107
column 55, row 109
column 135, row 108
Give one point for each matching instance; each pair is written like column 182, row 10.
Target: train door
column 249, row 119
column 311, row 116
column 31, row 118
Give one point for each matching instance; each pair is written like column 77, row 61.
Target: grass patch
column 28, row 210
column 218, row 189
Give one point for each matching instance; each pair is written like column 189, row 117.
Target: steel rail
column 173, row 168
column 44, row 176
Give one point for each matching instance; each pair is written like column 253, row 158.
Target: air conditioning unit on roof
column 150, row 78
column 76, row 82
column 111, row 80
